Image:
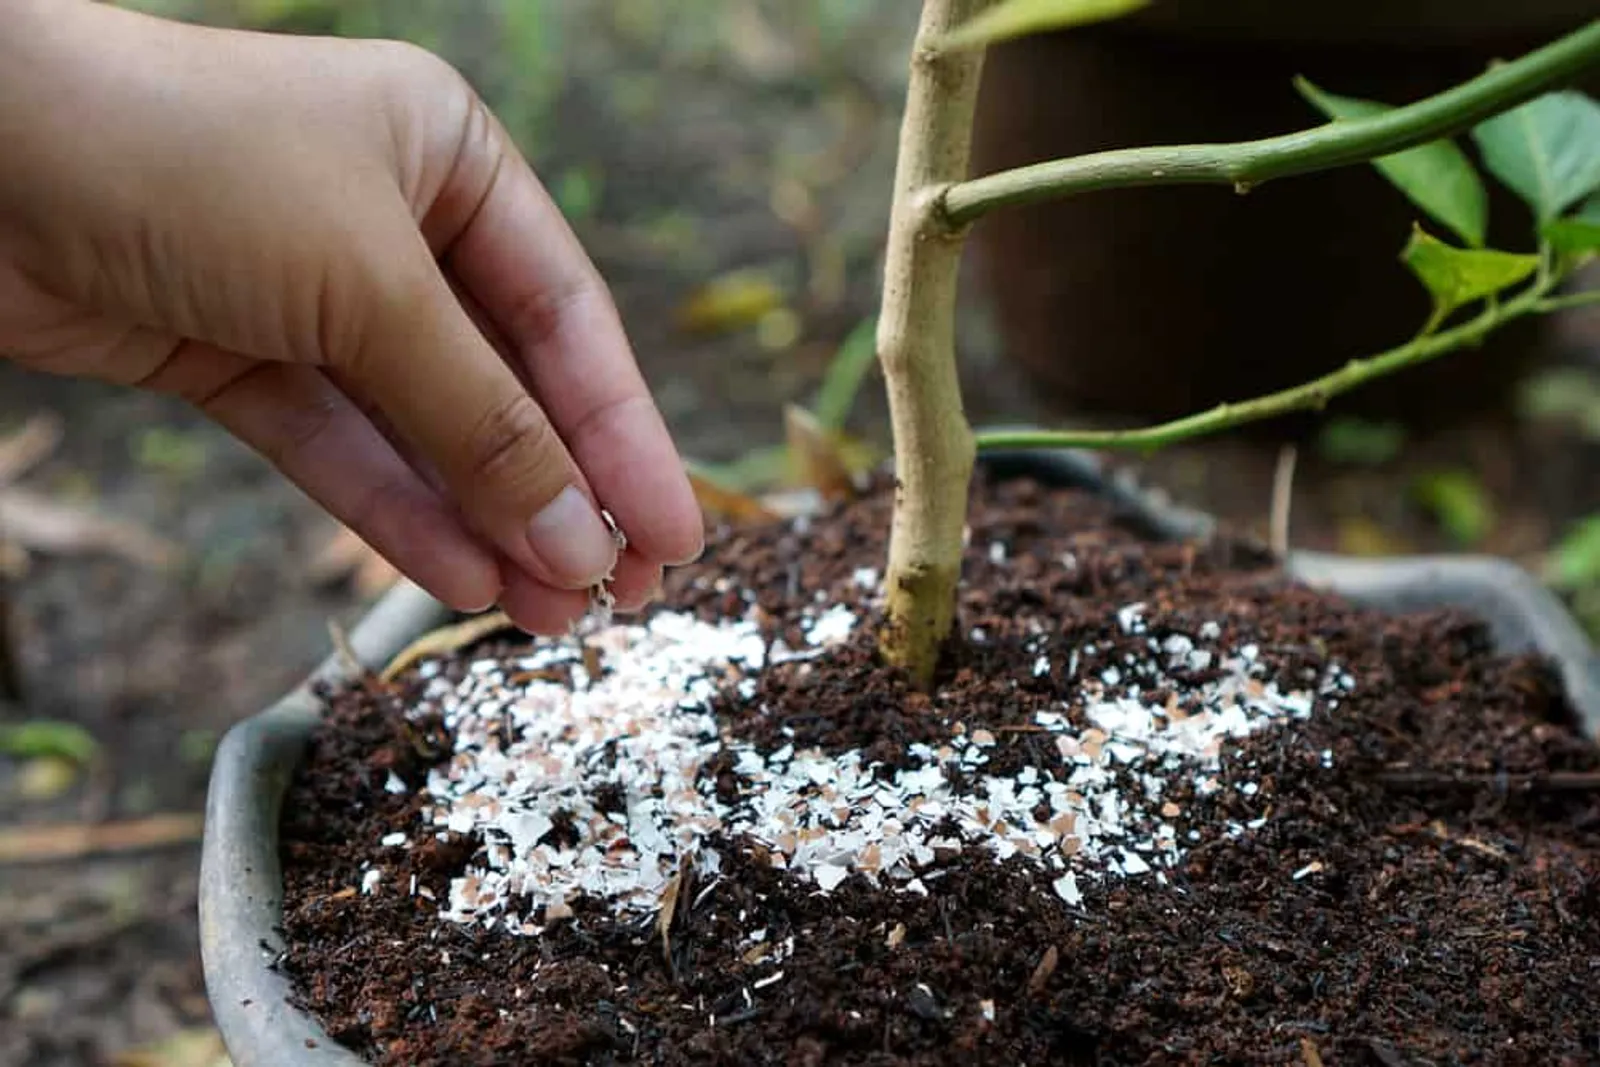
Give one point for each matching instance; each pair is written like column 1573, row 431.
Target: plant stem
column 1250, row 163
column 933, row 446
column 1310, row 395
column 1570, row 300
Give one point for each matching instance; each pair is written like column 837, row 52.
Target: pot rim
column 241, row 879
column 241, row 883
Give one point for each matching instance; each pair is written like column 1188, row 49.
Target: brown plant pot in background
column 1152, row 303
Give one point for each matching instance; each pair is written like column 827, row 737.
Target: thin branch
column 58, row 843
column 1311, row 395
column 1546, row 782
column 1282, row 500
column 1334, row 144
column 1571, row 300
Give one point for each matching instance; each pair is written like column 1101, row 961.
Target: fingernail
column 698, row 554
column 572, row 541
column 637, row 604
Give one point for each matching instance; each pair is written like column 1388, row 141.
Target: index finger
column 522, row 264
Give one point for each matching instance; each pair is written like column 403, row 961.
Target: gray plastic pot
column 241, row 884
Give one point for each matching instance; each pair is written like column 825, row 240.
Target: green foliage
column 48, row 738
column 577, row 192
column 1437, row 177
column 1575, row 561
column 1360, row 442
column 855, row 356
column 763, row 468
column 1019, row 18
column 530, row 71
column 1565, row 394
column 1456, row 277
column 173, row 452
column 1547, row 151
column 1460, row 503
column 1579, row 233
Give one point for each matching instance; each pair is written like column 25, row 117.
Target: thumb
column 418, row 357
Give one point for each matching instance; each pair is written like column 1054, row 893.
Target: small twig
column 1545, row 782
column 1335, row 144
column 57, row 843
column 1282, row 498
column 345, row 651
column 1439, row 832
column 1571, row 300
column 1312, row 395
column 674, row 890
column 447, row 639
column 29, row 446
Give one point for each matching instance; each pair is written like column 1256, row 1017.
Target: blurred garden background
column 727, row 163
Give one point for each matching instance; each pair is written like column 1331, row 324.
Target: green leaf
column 1563, row 394
column 1547, row 151
column 1437, row 177
column 1356, row 441
column 1456, row 277
column 47, row 738
column 1577, row 234
column 1459, row 501
column 577, row 192
column 1574, row 562
column 1019, row 18
column 837, row 394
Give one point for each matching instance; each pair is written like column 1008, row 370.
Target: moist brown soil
column 1425, row 888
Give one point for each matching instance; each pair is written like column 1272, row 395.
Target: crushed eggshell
column 532, row 750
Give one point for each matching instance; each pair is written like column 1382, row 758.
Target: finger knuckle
column 369, row 511
column 413, row 65
column 301, row 431
column 512, row 444
column 540, row 316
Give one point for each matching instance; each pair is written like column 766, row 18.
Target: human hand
column 333, row 249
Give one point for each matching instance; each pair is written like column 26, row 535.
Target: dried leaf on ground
column 345, row 557
column 29, row 446
column 1043, row 972
column 1361, row 536
column 731, row 302
column 818, row 455
column 720, row 502
column 36, row 522
column 195, row 1047
column 45, row 778
column 58, row 843
column 13, row 559
column 760, row 49
column 669, row 908
column 447, row 639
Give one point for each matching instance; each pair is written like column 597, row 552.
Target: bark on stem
column 933, row 443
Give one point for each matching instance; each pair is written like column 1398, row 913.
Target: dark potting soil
column 1420, row 883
